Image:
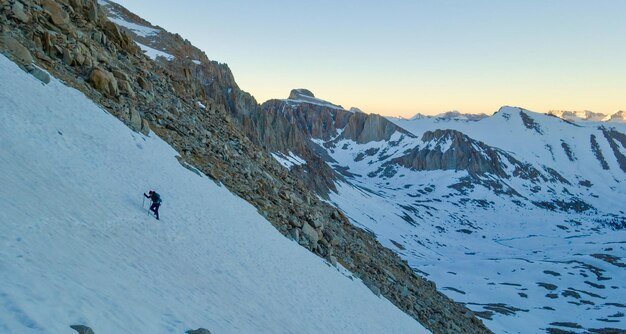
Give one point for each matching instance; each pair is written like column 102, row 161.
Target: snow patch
column 140, row 30
column 154, row 53
column 288, row 161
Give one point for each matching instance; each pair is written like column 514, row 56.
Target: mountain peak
column 618, row 116
column 298, row 93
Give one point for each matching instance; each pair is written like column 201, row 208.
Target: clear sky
column 403, row 57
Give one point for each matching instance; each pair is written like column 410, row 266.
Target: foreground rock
column 82, row 329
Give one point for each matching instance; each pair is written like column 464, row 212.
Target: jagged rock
column 463, row 153
column 198, row 331
column 145, row 127
column 364, row 128
column 15, row 49
column 121, row 37
column 93, row 11
column 104, row 81
column 310, row 233
column 136, row 122
column 126, row 87
column 300, row 92
column 19, row 13
column 294, row 221
column 57, row 14
column 81, row 329
column 295, row 234
column 372, row 287
column 67, row 57
column 79, row 57
column 145, row 84
column 120, row 75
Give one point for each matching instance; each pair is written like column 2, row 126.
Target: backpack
column 158, row 198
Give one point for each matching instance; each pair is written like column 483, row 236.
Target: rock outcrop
column 199, row 110
column 453, row 150
column 82, row 329
column 198, row 331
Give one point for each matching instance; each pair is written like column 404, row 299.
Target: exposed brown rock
column 19, row 12
column 104, row 81
column 58, row 15
column 120, row 37
column 17, row 51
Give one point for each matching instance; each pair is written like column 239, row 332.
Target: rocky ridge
column 198, row 109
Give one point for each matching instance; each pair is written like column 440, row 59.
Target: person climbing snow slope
column 156, row 202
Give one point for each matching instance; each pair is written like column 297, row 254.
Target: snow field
column 76, row 246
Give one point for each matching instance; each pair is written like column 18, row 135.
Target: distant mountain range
column 618, row 116
column 574, row 116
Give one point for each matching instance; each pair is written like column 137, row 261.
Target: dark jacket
column 156, row 199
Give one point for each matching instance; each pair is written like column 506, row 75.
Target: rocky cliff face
column 200, row 111
column 294, row 124
column 453, row 150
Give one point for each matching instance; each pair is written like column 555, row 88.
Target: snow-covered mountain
column 78, row 247
column 618, row 116
column 451, row 116
column 589, row 116
column 535, row 202
column 576, row 116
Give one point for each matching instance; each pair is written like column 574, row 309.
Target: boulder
column 79, row 57
column 198, row 331
column 310, row 233
column 19, row 12
column 126, row 87
column 135, row 120
column 145, row 127
column 295, row 234
column 92, row 12
column 81, row 329
column 370, row 285
column 68, row 58
column 17, row 51
column 294, row 221
column 120, row 37
column 144, row 83
column 104, row 81
column 120, row 75
column 76, row 4
column 58, row 15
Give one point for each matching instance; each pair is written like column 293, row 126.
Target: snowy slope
column 543, row 140
column 523, row 266
column 76, row 246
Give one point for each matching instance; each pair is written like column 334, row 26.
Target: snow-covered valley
column 77, row 247
column 534, row 253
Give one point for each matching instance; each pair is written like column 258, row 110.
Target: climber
column 156, row 202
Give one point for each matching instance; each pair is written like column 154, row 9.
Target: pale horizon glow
column 406, row 57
